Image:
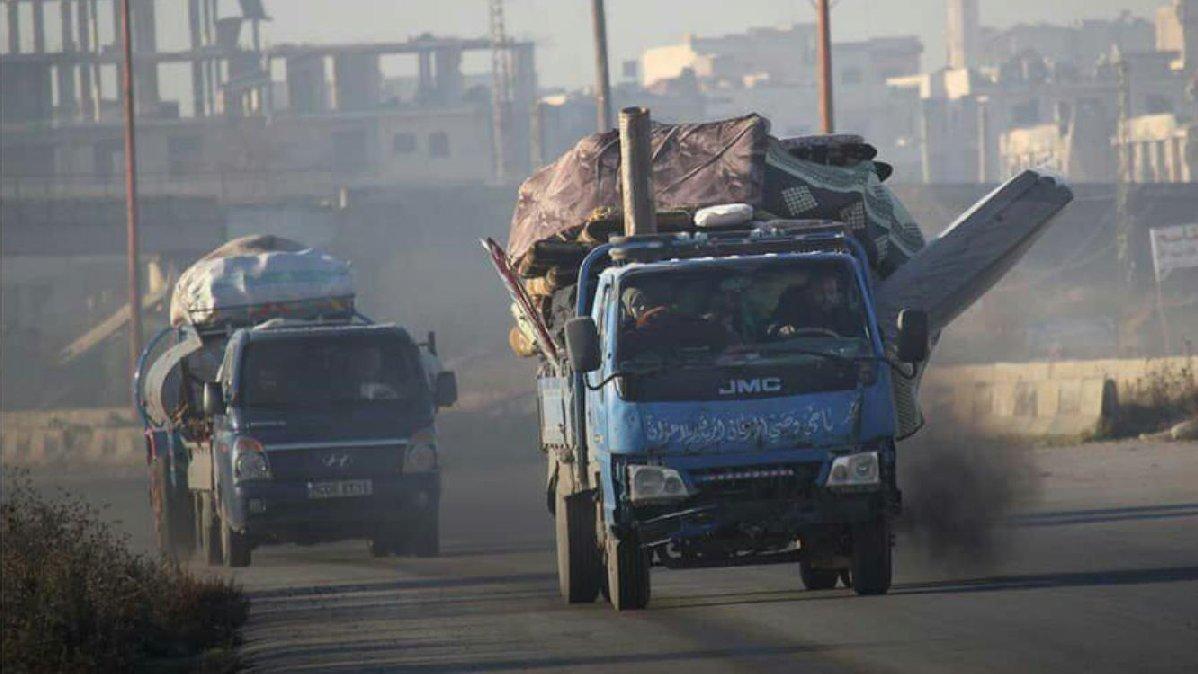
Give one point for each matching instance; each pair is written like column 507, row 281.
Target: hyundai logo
column 335, row 460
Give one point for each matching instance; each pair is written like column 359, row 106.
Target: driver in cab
column 817, row 308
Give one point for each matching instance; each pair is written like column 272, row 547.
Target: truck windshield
column 773, row 309
column 308, row 371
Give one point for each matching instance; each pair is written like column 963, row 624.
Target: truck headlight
column 653, row 484
column 420, row 459
column 854, row 470
column 249, row 461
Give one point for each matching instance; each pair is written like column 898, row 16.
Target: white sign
column 1174, row 247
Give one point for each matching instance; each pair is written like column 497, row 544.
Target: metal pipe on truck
column 636, row 164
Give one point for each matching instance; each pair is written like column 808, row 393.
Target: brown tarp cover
column 693, row 165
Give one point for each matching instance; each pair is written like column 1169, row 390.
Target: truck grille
column 770, row 482
column 335, row 462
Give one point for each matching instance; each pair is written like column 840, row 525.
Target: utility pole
column 824, row 53
column 602, row 81
column 501, row 91
column 133, row 267
column 983, row 103
column 1123, row 175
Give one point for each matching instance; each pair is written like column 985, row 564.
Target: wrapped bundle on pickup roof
column 244, row 282
column 572, row 205
column 256, row 278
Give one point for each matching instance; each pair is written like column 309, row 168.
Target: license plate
column 340, row 488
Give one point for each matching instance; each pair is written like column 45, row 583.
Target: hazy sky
column 562, row 27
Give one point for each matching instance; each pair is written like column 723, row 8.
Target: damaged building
column 235, row 134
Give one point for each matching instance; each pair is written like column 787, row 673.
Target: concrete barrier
column 1061, row 398
column 104, row 436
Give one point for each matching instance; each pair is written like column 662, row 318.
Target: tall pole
column 133, row 267
column 636, row 171
column 1123, row 175
column 602, row 81
column 983, row 103
column 824, row 51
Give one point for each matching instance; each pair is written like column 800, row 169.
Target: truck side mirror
column 913, row 335
column 582, row 343
column 214, row 399
column 446, row 393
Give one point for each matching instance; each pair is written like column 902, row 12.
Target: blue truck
column 725, row 399
column 298, row 431
column 731, row 330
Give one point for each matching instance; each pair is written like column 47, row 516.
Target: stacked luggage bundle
column 569, row 207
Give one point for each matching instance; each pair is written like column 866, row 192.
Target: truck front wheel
column 235, row 545
column 426, row 539
column 627, row 574
column 817, row 579
column 872, row 560
column 578, row 570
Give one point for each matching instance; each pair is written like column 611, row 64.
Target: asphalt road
column 1056, row 559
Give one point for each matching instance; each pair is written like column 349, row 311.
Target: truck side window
column 601, row 307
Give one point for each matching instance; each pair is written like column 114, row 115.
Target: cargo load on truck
column 569, row 207
column 244, row 282
column 734, row 175
column 258, row 277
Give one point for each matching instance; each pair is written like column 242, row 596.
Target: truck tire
column 426, row 539
column 160, row 505
column 381, row 545
column 235, row 546
column 210, row 548
column 173, row 518
column 578, row 566
column 627, row 574
column 818, row 579
column 872, row 559
column 388, row 539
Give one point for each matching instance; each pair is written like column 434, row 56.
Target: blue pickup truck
column 293, row 431
column 725, row 399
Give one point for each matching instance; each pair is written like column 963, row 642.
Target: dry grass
column 1166, row 397
column 75, row 598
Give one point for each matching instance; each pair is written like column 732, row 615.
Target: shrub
column 76, row 598
column 1164, row 397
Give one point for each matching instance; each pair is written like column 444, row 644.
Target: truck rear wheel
column 172, row 512
column 872, row 559
column 235, row 545
column 578, row 566
column 627, row 574
column 818, row 579
column 210, row 548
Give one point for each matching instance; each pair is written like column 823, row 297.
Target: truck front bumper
column 284, row 511
column 759, row 520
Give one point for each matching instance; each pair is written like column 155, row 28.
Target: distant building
column 772, row 71
column 1074, row 46
column 250, row 123
column 1043, row 96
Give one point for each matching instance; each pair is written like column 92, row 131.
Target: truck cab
column 311, row 431
column 727, row 401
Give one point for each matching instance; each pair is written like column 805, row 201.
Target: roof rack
column 229, row 318
column 777, row 236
